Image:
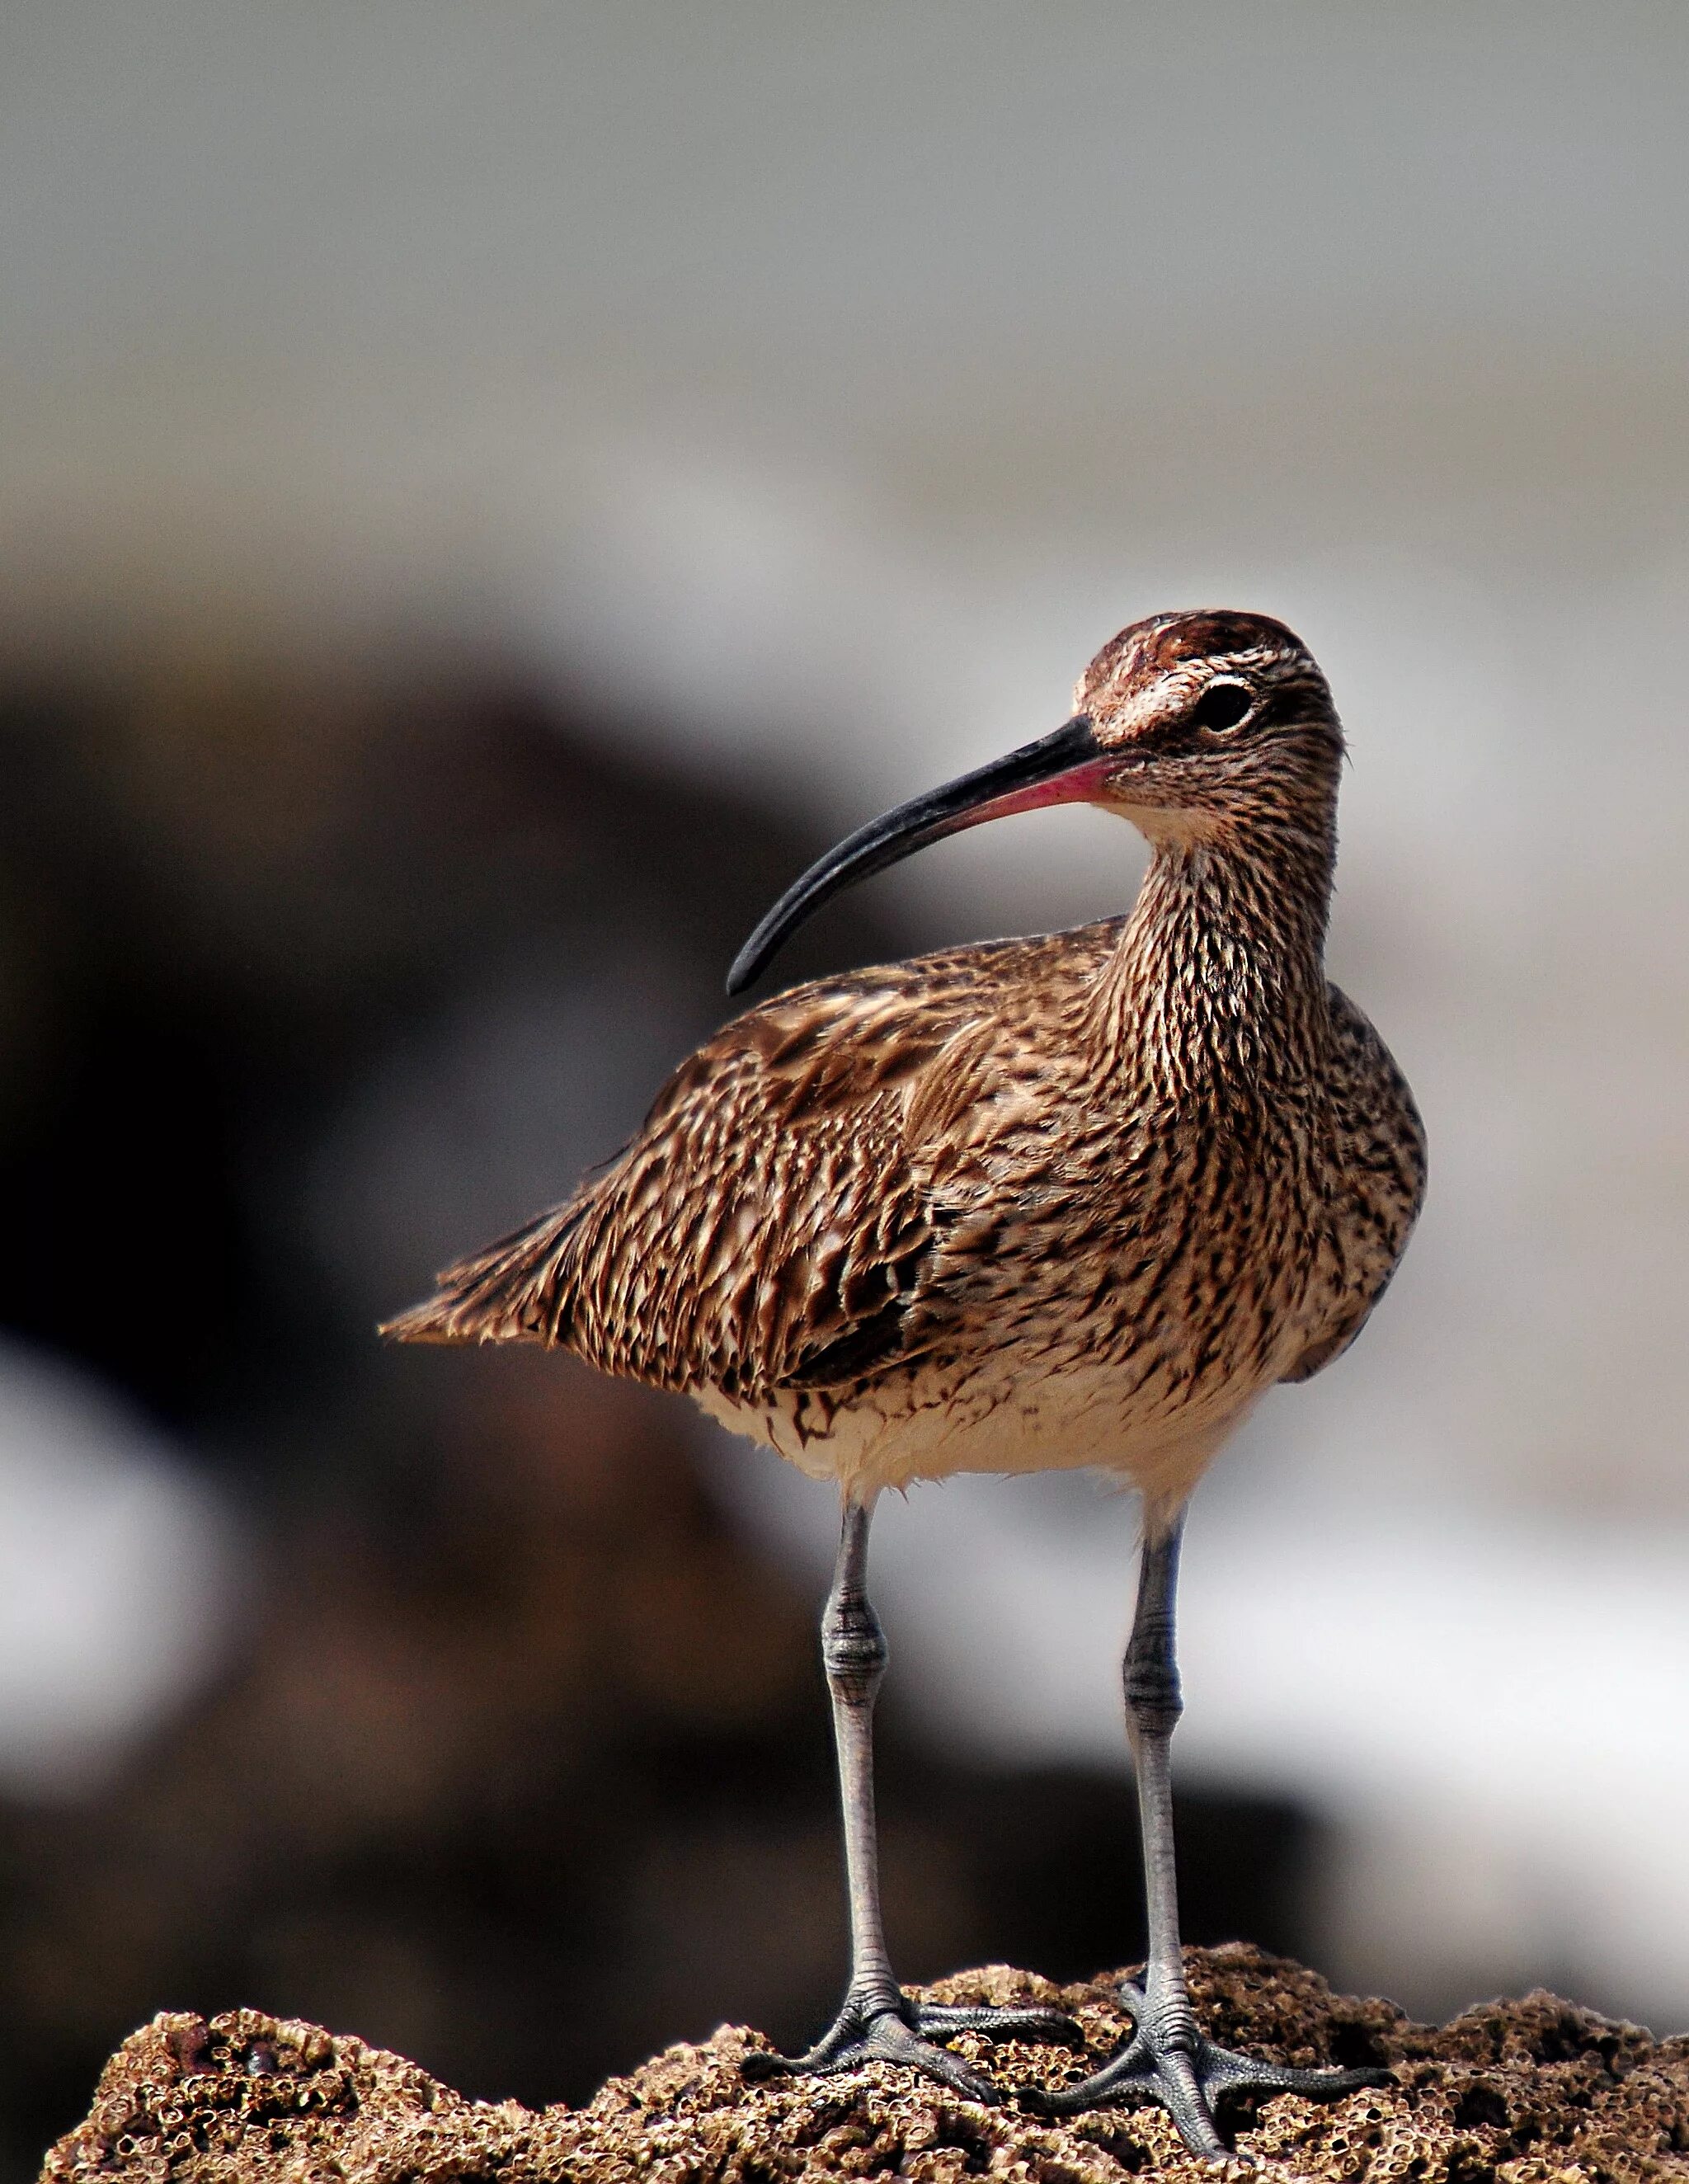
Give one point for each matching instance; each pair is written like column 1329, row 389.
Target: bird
column 1071, row 1201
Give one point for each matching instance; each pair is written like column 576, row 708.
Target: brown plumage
column 1037, row 1203
column 1069, row 1201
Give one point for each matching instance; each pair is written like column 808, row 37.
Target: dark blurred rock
column 1527, row 2091
column 231, row 889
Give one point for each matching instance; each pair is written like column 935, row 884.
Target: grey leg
column 878, row 2022
column 1167, row 2059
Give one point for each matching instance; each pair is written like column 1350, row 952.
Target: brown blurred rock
column 1524, row 2092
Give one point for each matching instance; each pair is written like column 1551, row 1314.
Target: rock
column 1510, row 2092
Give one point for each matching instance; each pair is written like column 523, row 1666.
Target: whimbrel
column 1077, row 1200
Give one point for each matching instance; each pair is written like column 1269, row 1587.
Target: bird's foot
column 874, row 2029
column 1169, row 2061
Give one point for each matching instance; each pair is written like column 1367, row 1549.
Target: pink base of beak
column 1082, row 784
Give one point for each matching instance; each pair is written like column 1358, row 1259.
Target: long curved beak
column 1068, row 767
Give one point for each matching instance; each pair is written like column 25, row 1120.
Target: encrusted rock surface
column 1512, row 2093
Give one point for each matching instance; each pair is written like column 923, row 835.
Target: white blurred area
column 120, row 1577
column 837, row 380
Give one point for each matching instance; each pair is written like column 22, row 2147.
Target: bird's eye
column 1221, row 705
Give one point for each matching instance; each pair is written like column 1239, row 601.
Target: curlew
column 1075, row 1201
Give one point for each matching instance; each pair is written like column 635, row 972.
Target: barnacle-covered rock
column 1529, row 2092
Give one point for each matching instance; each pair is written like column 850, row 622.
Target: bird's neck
column 1220, row 969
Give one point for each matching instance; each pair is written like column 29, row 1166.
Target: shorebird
column 1035, row 1204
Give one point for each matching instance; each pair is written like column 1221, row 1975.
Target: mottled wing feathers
column 771, row 1224
column 498, row 1295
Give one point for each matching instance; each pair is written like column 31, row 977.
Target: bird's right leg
column 1168, row 2058
column 878, row 2022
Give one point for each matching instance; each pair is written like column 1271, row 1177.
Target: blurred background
column 486, row 493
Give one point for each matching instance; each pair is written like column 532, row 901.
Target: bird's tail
column 519, row 1289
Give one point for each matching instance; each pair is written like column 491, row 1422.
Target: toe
column 890, row 2040
column 1186, row 2102
column 1127, row 2081
column 1040, row 2024
column 1224, row 2071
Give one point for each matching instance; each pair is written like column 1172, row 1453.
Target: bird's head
column 1204, row 720
column 1195, row 725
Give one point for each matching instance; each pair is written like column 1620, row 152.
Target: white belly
column 1066, row 1420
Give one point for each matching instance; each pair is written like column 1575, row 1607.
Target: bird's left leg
column 878, row 2022
column 1167, row 2058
